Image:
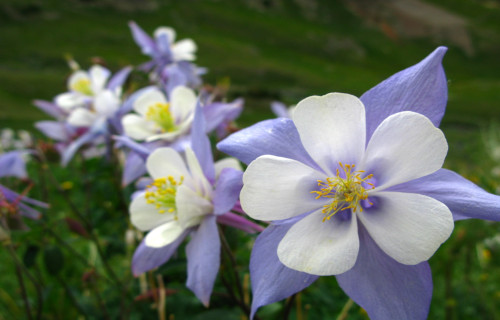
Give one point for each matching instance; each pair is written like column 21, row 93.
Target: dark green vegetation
column 276, row 52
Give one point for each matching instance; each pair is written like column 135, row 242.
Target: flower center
column 161, row 115
column 82, row 86
column 346, row 192
column 161, row 194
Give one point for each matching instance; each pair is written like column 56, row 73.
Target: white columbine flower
column 157, row 118
column 83, row 86
column 182, row 50
column 347, row 187
column 178, row 199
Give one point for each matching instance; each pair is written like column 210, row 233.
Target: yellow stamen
column 161, row 193
column 161, row 115
column 346, row 192
column 82, row 86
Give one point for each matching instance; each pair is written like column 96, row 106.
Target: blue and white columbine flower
column 188, row 196
column 156, row 118
column 348, row 184
column 386, row 211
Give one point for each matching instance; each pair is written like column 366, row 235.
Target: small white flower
column 178, row 199
column 82, row 86
column 181, row 50
column 157, row 118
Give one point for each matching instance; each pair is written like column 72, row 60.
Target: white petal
column 164, row 162
column 145, row 216
column 405, row 146
column 165, row 30
column 184, row 50
column 98, row 78
column 202, row 186
column 320, row 248
column 69, row 100
column 106, row 103
column 183, row 103
column 81, row 117
column 147, row 99
column 332, row 129
column 137, row 127
column 191, row 207
column 276, row 188
column 408, row 227
column 226, row 163
column 163, row 235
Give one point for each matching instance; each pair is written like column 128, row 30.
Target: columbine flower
column 82, row 86
column 84, row 112
column 389, row 185
column 159, row 119
column 187, row 196
column 171, row 61
column 13, row 164
column 350, row 185
column 163, row 48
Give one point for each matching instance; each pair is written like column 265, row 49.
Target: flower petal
column 138, row 127
column 183, row 102
column 385, row 288
column 142, row 39
column 277, row 188
column 119, row 78
column 106, row 103
column 148, row 98
column 227, row 190
column 12, row 164
column 81, row 118
column 184, row 50
column 98, row 78
column 201, row 145
column 201, row 185
column 54, row 129
column 164, row 162
column 168, row 31
column 462, row 197
column 271, row 280
column 421, row 88
column 277, row 137
column 146, row 258
column 133, row 168
column 69, row 100
column 332, row 129
column 203, row 259
column 144, row 216
column 164, row 234
column 408, row 227
column 404, row 147
column 320, row 248
column 191, row 207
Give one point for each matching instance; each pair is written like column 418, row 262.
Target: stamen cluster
column 161, row 193
column 83, row 86
column 346, row 191
column 161, row 115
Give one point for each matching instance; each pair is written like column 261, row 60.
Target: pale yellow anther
column 160, row 113
column 161, row 193
column 82, row 86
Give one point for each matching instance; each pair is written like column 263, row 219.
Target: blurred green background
column 287, row 50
